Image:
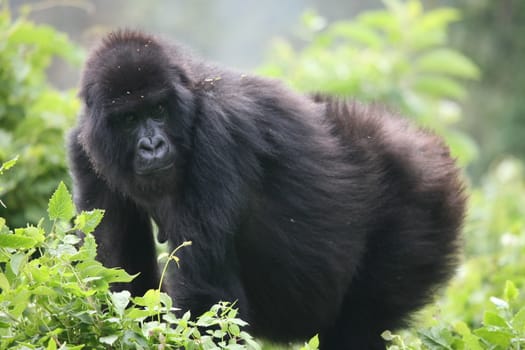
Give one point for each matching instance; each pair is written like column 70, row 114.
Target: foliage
column 491, row 33
column 483, row 307
column 398, row 56
column 33, row 115
column 503, row 328
column 55, row 295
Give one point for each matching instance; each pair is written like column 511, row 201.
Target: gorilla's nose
column 152, row 147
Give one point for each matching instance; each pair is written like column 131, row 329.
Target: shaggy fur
column 316, row 215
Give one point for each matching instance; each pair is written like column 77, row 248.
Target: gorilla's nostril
column 145, row 144
column 158, row 143
column 152, row 147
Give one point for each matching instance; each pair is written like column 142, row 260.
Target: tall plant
column 399, row 56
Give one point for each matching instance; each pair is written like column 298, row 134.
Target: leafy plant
column 503, row 329
column 398, row 56
column 33, row 115
column 55, row 295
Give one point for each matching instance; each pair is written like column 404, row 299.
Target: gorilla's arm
column 124, row 236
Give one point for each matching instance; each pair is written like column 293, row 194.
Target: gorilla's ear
column 85, row 95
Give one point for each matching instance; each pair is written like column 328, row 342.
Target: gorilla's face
column 137, row 118
column 151, row 150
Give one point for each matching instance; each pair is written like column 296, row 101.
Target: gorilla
column 315, row 215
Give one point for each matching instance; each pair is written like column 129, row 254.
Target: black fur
column 315, row 215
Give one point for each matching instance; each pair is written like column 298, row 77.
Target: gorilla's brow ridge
column 136, row 100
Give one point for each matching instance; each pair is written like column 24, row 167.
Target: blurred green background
column 453, row 66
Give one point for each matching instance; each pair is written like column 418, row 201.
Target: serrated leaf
column 88, row 250
column 14, row 241
column 138, row 314
column 120, row 301
column 387, row 335
column 495, row 337
column 447, row 61
column 61, row 204
column 518, row 321
column 471, row 341
column 493, row 319
column 70, row 239
column 16, row 262
column 151, row 299
column 87, row 221
column 36, row 233
column 437, row 338
column 313, row 343
column 110, row 339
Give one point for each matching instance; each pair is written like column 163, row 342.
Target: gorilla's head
column 138, row 111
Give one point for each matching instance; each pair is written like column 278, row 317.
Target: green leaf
column 71, row 239
column 380, row 19
column 87, row 221
column 447, row 61
column 36, row 233
column 150, row 300
column 3, row 227
column 463, row 148
column 471, row 341
column 138, row 314
column 234, row 330
column 356, row 32
column 43, row 290
column 16, row 241
column 439, row 18
column 120, row 301
column 8, row 165
column 493, row 319
column 4, row 283
column 52, row 345
column 518, row 321
column 387, row 335
column 511, row 292
column 437, row 338
column 438, row 86
column 88, row 250
column 110, row 339
column 16, row 262
column 313, row 343
column 61, row 204
column 495, row 337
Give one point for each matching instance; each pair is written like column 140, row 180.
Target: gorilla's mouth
column 153, row 168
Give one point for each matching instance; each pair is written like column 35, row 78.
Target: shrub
column 398, row 56
column 55, row 295
column 33, row 115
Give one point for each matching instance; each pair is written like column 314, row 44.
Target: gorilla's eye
column 159, row 112
column 130, row 119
